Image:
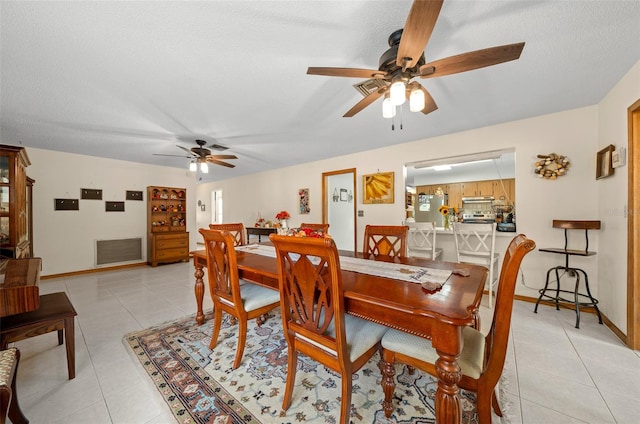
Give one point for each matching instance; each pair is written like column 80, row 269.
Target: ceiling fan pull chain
column 401, row 117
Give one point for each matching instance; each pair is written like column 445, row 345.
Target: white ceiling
column 125, row 80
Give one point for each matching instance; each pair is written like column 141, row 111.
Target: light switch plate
column 619, row 157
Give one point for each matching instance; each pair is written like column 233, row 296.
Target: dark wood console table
column 260, row 231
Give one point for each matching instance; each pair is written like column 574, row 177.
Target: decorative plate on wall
column 552, row 166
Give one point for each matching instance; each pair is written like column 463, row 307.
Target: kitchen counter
column 512, row 234
column 444, row 240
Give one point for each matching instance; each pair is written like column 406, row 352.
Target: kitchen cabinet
column 484, row 188
column 469, row 189
column 455, row 195
column 167, row 236
column 505, row 191
column 15, row 203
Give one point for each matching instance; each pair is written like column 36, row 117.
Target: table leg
column 199, row 290
column 447, row 340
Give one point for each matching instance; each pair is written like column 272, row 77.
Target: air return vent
column 116, row 251
column 369, row 86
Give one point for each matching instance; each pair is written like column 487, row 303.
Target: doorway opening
column 216, row 207
column 339, row 211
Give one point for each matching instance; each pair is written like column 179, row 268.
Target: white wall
column 612, row 200
column 65, row 240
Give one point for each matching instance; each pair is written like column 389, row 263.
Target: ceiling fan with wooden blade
column 404, row 60
column 202, row 153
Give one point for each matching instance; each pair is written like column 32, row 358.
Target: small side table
column 571, row 271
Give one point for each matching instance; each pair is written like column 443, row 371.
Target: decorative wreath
column 551, row 166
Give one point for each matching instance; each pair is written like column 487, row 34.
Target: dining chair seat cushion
column 360, row 334
column 470, row 360
column 255, row 296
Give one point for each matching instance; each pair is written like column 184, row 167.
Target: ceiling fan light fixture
column 397, row 93
column 388, row 108
column 204, row 168
column 193, row 167
column 416, row 100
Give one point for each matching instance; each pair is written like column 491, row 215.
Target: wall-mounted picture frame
column 344, row 197
column 91, row 193
column 66, row 205
column 133, row 195
column 378, row 188
column 114, row 206
column 604, row 162
column 303, row 201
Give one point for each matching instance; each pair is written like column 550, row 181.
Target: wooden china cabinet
column 16, row 220
column 167, row 236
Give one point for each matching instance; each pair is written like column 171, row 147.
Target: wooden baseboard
column 92, row 271
column 588, row 309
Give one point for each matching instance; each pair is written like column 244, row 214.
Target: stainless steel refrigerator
column 427, row 208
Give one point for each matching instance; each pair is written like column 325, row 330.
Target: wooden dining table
column 437, row 315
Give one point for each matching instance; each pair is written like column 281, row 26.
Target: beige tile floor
column 555, row 373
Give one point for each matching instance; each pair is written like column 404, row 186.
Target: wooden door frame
column 633, row 226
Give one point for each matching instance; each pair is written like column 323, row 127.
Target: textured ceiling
column 125, row 80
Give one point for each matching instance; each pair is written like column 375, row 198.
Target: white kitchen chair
column 422, row 239
column 476, row 244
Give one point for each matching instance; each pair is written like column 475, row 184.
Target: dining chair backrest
column 313, row 314
column 385, row 240
column 316, row 227
column 237, row 230
column 482, row 358
column 222, row 268
column 498, row 335
column 242, row 301
column 476, row 244
column 421, row 239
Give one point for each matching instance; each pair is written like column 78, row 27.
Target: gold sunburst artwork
column 378, row 188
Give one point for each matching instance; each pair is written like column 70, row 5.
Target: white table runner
column 403, row 272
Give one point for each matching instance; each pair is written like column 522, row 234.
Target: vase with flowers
column 282, row 216
column 447, row 212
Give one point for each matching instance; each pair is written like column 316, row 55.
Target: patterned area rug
column 200, row 386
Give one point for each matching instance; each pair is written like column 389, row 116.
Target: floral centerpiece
column 446, row 212
column 282, row 217
column 304, row 232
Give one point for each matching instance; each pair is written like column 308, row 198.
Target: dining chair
column 9, row 360
column 316, row 227
column 313, row 314
column 385, row 240
column 242, row 301
column 237, row 231
column 476, row 244
column 422, row 239
column 482, row 358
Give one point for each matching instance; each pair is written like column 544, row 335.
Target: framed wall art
column 604, row 162
column 378, row 188
column 303, row 201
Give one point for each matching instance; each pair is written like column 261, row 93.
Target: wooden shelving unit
column 15, row 203
column 167, row 236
